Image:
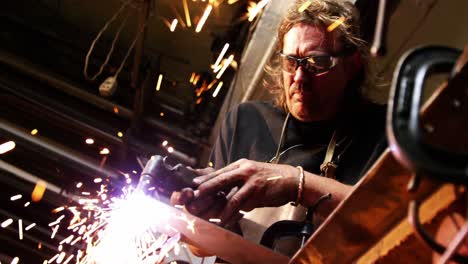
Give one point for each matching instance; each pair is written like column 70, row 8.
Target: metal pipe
column 26, row 176
column 59, row 152
column 379, row 47
column 56, row 116
column 58, row 83
column 142, row 20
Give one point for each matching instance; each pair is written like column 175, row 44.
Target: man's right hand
column 199, row 207
column 207, row 207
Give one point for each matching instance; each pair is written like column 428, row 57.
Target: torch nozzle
column 164, row 177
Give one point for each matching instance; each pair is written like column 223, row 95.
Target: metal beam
column 56, row 151
column 59, row 83
column 140, row 45
column 255, row 55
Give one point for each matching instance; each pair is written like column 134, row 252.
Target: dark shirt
column 252, row 130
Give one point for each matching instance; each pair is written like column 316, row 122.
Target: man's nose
column 300, row 74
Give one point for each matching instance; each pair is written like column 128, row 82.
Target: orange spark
column 204, row 18
column 304, row 6
column 218, row 88
column 38, row 191
column 187, row 14
column 335, row 24
column 158, row 85
column 173, row 25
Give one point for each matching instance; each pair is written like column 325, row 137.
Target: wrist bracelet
column 300, row 188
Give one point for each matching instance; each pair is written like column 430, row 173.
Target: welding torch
column 164, row 177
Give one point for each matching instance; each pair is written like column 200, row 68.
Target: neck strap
column 282, row 138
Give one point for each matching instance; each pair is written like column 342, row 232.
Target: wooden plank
column 430, row 208
column 378, row 202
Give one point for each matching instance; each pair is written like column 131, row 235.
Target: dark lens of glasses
column 313, row 64
column 288, row 64
column 322, row 62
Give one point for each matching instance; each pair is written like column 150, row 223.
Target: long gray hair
column 320, row 13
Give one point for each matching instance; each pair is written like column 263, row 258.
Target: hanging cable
column 129, row 51
column 85, row 71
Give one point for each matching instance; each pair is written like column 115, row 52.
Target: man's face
column 311, row 96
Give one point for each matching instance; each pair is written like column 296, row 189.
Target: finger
column 249, row 205
column 233, row 220
column 175, row 198
column 200, row 206
column 183, row 197
column 223, row 181
column 200, row 171
column 186, row 195
column 232, row 192
column 228, row 197
column 214, row 211
column 204, row 171
column 235, row 202
column 213, row 174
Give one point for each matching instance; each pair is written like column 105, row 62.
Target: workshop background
column 169, row 71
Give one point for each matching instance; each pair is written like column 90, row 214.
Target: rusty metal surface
column 380, row 200
column 401, row 240
column 376, row 204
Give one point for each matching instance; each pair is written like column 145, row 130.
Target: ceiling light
column 104, row 151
